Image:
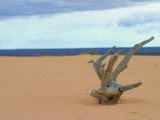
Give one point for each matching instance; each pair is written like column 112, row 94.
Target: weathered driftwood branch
column 98, row 65
column 110, row 91
column 107, row 72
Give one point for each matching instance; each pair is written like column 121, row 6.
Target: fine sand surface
column 58, row 88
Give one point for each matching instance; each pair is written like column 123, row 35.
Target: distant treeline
column 75, row 51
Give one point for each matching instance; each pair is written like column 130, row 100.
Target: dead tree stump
column 110, row 91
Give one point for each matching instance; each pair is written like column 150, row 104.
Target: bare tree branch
column 109, row 69
column 129, row 87
column 124, row 62
column 100, row 60
column 98, row 65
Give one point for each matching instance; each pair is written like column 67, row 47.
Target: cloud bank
column 102, row 28
column 12, row 8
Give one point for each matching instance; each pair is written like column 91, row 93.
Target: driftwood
column 110, row 91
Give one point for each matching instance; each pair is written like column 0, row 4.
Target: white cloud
column 102, row 28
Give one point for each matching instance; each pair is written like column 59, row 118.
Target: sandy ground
column 58, row 88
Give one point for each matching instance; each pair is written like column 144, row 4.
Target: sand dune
column 58, row 88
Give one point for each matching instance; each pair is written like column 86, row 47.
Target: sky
column 78, row 23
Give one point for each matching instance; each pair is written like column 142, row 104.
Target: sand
column 58, row 88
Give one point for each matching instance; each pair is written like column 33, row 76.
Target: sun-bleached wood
column 110, row 91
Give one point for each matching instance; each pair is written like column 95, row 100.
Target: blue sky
column 75, row 24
